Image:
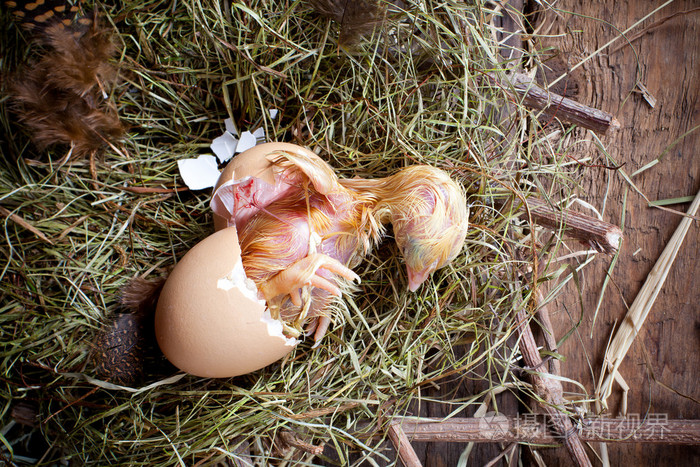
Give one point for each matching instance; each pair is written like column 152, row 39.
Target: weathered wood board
column 663, row 364
column 662, row 54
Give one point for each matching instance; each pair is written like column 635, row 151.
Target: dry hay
column 75, row 231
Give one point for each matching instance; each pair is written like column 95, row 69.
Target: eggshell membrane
column 206, row 330
column 252, row 163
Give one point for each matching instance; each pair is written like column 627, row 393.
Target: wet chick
column 299, row 249
column 428, row 212
column 301, row 244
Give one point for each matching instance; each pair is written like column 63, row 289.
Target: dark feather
column 57, row 116
column 126, row 349
column 60, row 96
column 120, row 350
column 357, row 18
column 36, row 15
column 140, row 296
column 79, row 64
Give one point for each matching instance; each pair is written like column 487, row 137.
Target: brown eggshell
column 252, row 163
column 209, row 331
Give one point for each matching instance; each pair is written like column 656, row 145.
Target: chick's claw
column 305, row 272
column 318, row 328
column 324, row 323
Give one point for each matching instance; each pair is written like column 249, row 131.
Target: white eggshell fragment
column 224, row 146
column 259, row 135
column 199, row 173
column 247, row 141
column 231, row 127
column 209, row 321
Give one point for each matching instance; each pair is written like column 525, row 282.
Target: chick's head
column 430, row 220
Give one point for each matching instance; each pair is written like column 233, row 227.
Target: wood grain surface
column 663, row 55
column 660, row 56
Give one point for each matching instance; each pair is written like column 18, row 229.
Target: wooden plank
column 661, row 367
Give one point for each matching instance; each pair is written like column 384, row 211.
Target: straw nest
column 418, row 89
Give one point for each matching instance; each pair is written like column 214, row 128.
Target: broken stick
column 551, row 392
column 504, row 429
column 403, row 446
column 600, row 235
column 561, row 107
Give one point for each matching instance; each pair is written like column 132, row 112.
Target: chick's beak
column 416, row 278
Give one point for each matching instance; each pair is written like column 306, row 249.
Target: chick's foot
column 305, row 272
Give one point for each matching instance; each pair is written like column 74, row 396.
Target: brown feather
column 59, row 96
column 357, row 18
column 79, row 64
column 126, row 349
column 127, row 339
column 140, row 295
column 56, row 116
column 120, row 349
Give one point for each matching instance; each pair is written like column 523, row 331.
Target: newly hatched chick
column 428, row 212
column 298, row 244
column 300, row 238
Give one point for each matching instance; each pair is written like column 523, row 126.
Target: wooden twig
column 600, row 235
column 551, row 392
column 524, row 429
column 561, row 107
column 291, row 440
column 314, row 413
column 403, row 446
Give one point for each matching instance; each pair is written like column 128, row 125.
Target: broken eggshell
column 209, row 321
